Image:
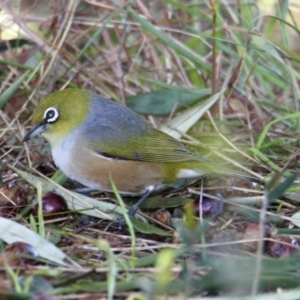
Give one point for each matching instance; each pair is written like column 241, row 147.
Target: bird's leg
column 132, row 211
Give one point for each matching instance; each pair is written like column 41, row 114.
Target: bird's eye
column 51, row 115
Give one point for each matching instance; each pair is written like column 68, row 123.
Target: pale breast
column 62, row 155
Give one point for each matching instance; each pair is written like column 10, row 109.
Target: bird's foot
column 121, row 219
column 132, row 211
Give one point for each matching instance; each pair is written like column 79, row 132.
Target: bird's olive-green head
column 59, row 113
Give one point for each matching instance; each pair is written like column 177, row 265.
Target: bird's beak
column 34, row 131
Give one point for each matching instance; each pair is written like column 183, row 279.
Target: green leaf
column 164, row 101
column 288, row 231
column 150, row 259
column 59, row 177
column 264, row 134
column 278, row 191
column 11, row 232
column 14, row 295
column 240, row 281
column 148, row 229
column 163, row 202
column 186, row 120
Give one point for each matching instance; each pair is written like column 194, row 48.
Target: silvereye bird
column 95, row 140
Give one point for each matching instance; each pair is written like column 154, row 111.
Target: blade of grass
column 9, row 92
column 168, row 40
column 127, row 221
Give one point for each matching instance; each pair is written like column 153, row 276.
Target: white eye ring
column 51, row 115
